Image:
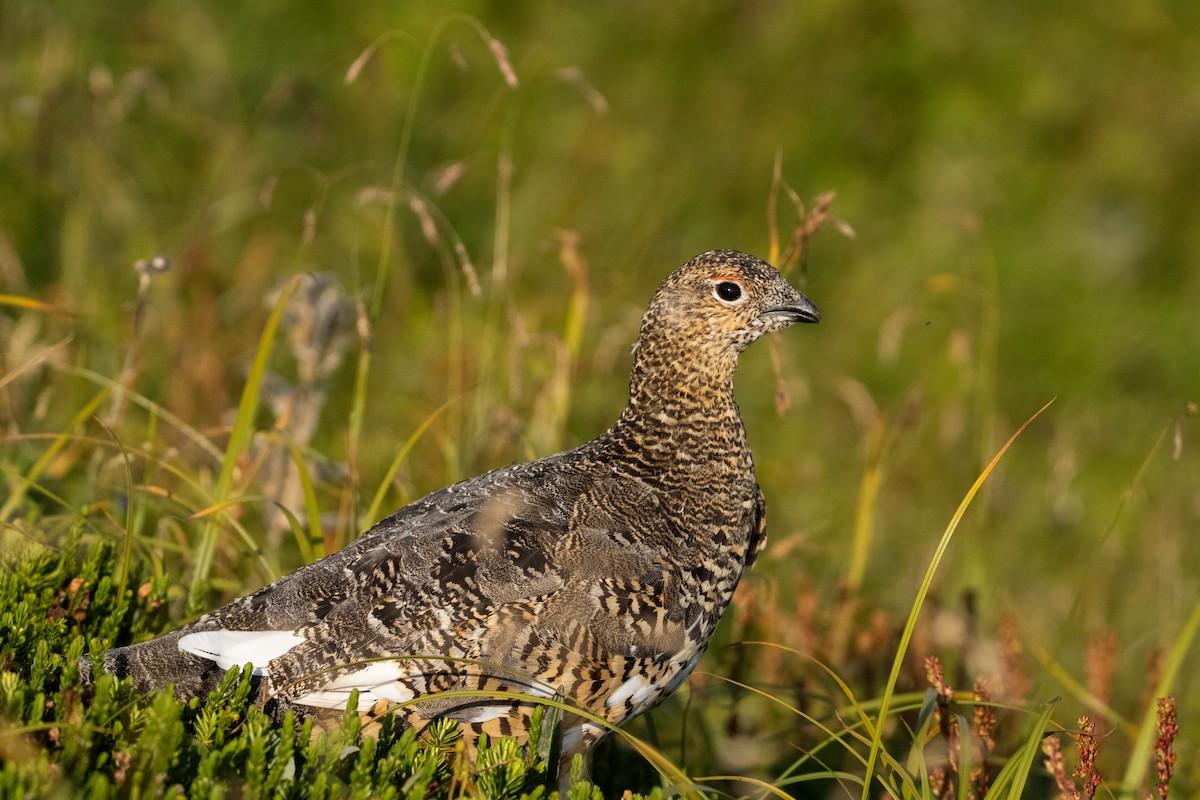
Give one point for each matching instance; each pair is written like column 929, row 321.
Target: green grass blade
column 405, row 449
column 406, row 135
column 157, row 411
column 1010, row 781
column 926, row 582
column 299, row 534
column 1139, row 759
column 312, row 509
column 126, row 562
column 965, row 764
column 864, row 516
column 677, row 778
column 768, row 788
column 358, row 404
column 31, row 304
column 1076, row 689
column 825, row 729
column 864, row 720
column 17, row 495
column 239, row 439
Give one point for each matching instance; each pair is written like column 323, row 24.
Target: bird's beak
column 799, row 310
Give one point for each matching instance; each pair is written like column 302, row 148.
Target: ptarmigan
column 600, row 572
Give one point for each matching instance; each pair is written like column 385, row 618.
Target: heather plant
column 268, row 272
column 104, row 740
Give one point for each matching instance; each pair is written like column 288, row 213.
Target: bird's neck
column 681, row 375
column 681, row 419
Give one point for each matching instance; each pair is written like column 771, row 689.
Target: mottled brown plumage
column 600, row 572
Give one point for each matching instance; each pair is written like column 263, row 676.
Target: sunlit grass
column 1016, row 239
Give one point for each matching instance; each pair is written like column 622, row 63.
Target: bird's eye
column 728, row 291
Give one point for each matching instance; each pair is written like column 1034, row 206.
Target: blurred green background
column 1023, row 179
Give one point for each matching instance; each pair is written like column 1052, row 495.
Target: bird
column 597, row 575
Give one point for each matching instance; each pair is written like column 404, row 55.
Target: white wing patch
column 371, row 675
column 379, row 680
column 482, row 713
column 236, row 648
column 336, row 700
column 577, row 737
column 637, row 689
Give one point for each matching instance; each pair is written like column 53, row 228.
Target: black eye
column 729, row 291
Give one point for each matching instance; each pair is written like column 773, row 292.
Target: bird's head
column 719, row 302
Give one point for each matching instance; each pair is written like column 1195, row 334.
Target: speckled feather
column 599, row 573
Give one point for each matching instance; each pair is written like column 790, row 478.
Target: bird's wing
column 474, row 586
column 758, row 531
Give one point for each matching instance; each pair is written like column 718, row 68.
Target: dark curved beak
column 800, row 310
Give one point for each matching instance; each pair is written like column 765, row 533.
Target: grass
column 480, row 204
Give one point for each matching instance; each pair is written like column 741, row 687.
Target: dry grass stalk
column 983, row 742
column 1100, row 662
column 941, row 785
column 1085, row 742
column 1056, row 765
column 947, row 721
column 1015, row 680
column 1164, row 755
column 982, row 734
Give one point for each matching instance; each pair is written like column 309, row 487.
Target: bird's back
column 557, row 576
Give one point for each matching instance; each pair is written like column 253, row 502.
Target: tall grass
column 1025, row 227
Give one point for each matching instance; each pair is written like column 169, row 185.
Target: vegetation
column 107, row 742
column 268, row 273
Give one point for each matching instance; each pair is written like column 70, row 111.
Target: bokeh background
column 1023, row 182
